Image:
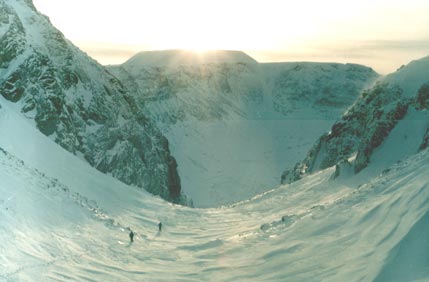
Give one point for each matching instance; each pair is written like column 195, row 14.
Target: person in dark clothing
column 131, row 236
column 159, row 226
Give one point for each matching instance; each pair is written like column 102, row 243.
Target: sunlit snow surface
column 66, row 221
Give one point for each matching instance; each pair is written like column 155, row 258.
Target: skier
column 131, row 236
column 159, row 226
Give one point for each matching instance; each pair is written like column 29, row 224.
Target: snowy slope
column 78, row 104
column 411, row 76
column 70, row 224
column 232, row 123
column 386, row 124
column 61, row 219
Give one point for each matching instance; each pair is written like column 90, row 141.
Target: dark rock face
column 361, row 130
column 79, row 104
column 422, row 100
column 425, row 141
column 173, row 178
column 12, row 42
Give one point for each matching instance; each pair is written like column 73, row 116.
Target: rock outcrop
column 368, row 123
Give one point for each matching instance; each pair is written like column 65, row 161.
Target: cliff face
column 77, row 103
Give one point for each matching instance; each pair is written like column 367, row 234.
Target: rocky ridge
column 368, row 123
column 79, row 104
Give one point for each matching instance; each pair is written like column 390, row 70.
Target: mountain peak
column 411, row 76
column 175, row 58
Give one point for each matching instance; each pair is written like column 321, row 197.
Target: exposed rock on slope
column 78, row 104
column 369, row 122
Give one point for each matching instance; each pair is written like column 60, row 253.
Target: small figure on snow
column 159, row 226
column 131, row 236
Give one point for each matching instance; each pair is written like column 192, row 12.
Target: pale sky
column 383, row 34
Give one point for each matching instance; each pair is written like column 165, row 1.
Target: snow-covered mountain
column 78, row 104
column 177, row 58
column 71, row 223
column 233, row 123
column 63, row 219
column 388, row 123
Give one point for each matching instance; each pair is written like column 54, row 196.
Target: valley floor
column 247, row 153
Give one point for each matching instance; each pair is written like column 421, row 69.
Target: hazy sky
column 383, row 34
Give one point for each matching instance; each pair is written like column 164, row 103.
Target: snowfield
column 65, row 221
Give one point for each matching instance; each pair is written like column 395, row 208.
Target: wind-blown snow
column 66, row 221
